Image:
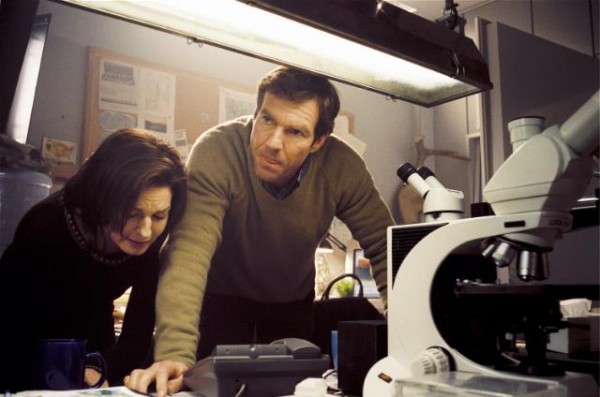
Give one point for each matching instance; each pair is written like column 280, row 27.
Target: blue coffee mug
column 61, row 365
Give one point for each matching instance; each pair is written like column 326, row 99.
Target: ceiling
column 433, row 9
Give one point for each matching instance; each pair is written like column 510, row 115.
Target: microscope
column 443, row 287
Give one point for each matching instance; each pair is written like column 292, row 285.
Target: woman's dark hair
column 297, row 86
column 108, row 184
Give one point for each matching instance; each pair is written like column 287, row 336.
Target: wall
column 386, row 127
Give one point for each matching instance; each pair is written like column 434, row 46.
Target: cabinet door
column 533, row 77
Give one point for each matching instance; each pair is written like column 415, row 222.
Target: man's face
column 283, row 135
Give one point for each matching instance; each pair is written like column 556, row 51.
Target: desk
column 587, row 363
column 119, row 391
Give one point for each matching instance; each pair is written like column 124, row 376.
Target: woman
column 85, row 245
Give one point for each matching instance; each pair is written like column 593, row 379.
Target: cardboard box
column 581, row 336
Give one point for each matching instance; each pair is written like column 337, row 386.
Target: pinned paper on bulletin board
column 234, row 103
column 124, row 91
column 59, row 151
column 181, row 144
column 129, row 94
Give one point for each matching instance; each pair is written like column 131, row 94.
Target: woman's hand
column 168, row 376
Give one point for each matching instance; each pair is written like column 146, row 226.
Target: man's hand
column 168, row 376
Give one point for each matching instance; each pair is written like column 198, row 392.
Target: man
column 263, row 191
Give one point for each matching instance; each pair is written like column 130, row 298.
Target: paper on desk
column 119, row 391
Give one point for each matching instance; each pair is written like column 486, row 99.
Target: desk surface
column 120, row 391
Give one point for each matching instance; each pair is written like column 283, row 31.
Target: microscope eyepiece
column 425, row 172
column 405, row 171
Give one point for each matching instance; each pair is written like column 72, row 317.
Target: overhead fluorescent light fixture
column 402, row 5
column 364, row 43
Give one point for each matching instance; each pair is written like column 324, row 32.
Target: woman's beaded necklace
column 83, row 244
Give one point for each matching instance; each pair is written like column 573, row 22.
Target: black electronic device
column 261, row 370
column 361, row 344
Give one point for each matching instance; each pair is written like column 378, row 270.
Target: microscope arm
column 548, row 173
column 580, row 131
column 551, row 170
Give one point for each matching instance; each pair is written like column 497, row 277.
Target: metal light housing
column 374, row 46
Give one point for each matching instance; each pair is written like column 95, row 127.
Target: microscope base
column 387, row 378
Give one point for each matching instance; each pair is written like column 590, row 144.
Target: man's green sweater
column 255, row 246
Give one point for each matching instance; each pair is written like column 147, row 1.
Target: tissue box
column 580, row 337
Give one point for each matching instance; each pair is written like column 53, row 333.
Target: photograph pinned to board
column 234, row 103
column 59, row 151
column 111, row 121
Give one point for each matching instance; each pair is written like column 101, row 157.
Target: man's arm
column 367, row 216
column 188, row 252
column 185, row 262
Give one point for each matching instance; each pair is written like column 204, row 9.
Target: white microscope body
column 531, row 194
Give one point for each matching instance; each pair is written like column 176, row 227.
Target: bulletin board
column 175, row 105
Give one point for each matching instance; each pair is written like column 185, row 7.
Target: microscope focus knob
column 431, row 361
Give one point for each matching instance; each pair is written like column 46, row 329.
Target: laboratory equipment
column 531, row 195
